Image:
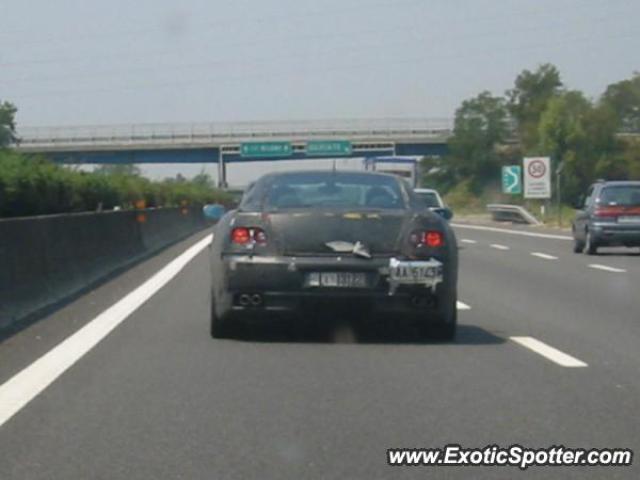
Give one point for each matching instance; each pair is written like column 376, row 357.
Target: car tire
column 590, row 248
column 219, row 326
column 578, row 246
column 446, row 326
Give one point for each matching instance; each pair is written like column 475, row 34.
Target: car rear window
column 626, row 195
column 318, row 190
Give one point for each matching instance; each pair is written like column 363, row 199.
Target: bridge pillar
column 222, row 170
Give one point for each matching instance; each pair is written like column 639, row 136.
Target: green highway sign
column 512, row 179
column 266, row 149
column 328, row 147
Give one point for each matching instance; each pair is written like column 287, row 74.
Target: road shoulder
column 22, row 348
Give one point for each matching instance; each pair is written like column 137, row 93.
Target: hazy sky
column 79, row 62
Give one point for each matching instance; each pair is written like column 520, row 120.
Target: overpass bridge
column 230, row 142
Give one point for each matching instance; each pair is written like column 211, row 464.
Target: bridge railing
column 231, row 131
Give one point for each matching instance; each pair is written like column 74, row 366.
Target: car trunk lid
column 308, row 233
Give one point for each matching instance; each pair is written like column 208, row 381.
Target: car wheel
column 578, row 246
column 590, row 247
column 219, row 326
column 446, row 326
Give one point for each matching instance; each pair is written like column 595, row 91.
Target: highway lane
column 592, row 313
column 158, row 398
column 619, row 258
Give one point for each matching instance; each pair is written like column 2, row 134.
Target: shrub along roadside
column 540, row 116
column 32, row 185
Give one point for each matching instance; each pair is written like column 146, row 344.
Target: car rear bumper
column 276, row 285
column 283, row 304
column 613, row 234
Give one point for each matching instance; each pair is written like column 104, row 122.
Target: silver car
column 609, row 215
column 433, row 201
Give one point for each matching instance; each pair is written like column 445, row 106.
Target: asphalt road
column 158, row 398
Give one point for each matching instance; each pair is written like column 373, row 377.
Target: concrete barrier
column 45, row 260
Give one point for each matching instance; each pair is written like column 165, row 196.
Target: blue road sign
column 512, row 179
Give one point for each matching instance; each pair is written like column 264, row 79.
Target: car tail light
column 429, row 238
column 609, row 211
column 240, row 235
column 244, row 235
column 433, row 239
column 259, row 236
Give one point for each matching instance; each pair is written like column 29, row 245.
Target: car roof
column 619, row 183
column 335, row 172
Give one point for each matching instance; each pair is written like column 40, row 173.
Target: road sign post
column 537, row 177
column 512, row 179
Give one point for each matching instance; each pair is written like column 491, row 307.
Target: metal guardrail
column 219, row 133
column 511, row 213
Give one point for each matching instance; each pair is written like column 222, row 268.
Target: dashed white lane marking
column 512, row 232
column 546, row 256
column 462, row 306
column 23, row 387
column 607, row 269
column 467, row 240
column 550, row 353
column 497, row 246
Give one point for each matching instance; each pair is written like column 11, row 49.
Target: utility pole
column 222, row 170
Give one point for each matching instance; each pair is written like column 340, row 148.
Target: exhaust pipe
column 244, row 300
column 256, row 299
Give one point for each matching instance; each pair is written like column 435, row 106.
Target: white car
column 433, row 201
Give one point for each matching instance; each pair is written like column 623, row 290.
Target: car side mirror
column 444, row 212
column 213, row 212
column 579, row 203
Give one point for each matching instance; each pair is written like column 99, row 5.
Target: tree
column 528, row 99
column 203, row 180
column 572, row 130
column 623, row 98
column 119, row 169
column 631, row 156
column 7, row 124
column 561, row 125
column 480, row 126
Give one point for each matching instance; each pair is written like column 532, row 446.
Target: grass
column 552, row 219
column 466, row 203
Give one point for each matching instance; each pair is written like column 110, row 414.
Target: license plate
column 629, row 219
column 337, row 279
column 415, row 272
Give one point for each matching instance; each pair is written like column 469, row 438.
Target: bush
column 31, row 185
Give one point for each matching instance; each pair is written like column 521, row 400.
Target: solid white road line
column 607, row 269
column 546, row 256
column 549, row 352
column 466, row 240
column 463, row 306
column 512, row 232
column 23, row 387
column 497, row 246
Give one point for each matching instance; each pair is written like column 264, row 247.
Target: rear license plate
column 629, row 219
column 415, row 272
column 337, row 279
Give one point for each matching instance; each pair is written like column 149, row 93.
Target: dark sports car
column 301, row 242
